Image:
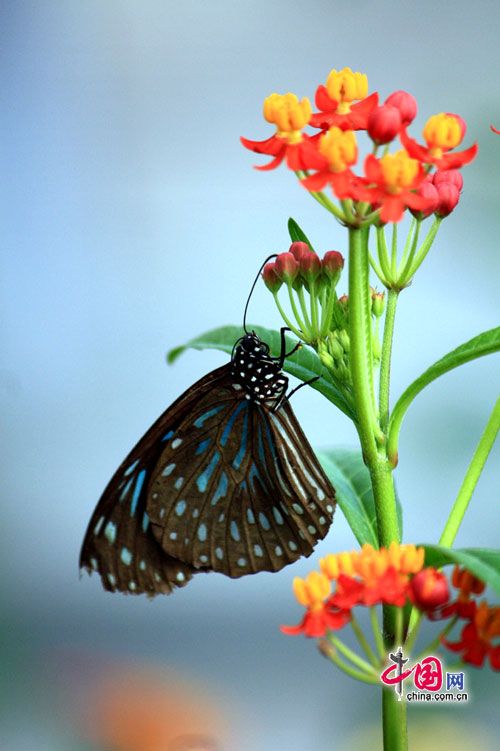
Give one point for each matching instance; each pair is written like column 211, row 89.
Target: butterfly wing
column 238, row 489
column 119, row 543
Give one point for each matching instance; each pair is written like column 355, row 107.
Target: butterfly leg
column 286, row 397
column 283, row 353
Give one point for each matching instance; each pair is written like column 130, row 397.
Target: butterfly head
column 255, row 372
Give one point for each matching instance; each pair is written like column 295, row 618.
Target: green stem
column 435, row 643
column 471, row 477
column 394, row 250
column 322, row 199
column 299, row 334
column 313, row 301
column 383, row 253
column 293, row 304
column 358, row 675
column 363, row 642
column 352, row 656
column 360, row 341
column 394, row 721
column 385, row 364
column 303, row 306
column 377, row 633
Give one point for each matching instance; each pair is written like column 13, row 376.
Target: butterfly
column 225, row 480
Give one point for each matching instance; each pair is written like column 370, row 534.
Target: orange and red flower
column 392, row 183
column 476, row 640
column 290, row 115
column 337, row 150
column 442, row 133
column 344, row 101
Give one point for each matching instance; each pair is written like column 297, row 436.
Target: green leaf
column 297, row 234
column 484, row 344
column 303, row 364
column 351, row 480
column 482, row 562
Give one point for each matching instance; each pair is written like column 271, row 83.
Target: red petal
column 452, row 161
column 495, row 651
column 271, row 146
column 414, row 149
column 273, row 164
column 323, row 100
column 373, row 171
column 492, row 128
column 316, row 182
column 392, row 209
column 293, row 630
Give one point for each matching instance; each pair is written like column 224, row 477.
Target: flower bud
column 299, row 249
column 344, row 340
column 335, row 347
column 332, row 265
column 452, row 176
column 325, row 356
column 449, row 196
column 427, row 190
column 378, row 303
column 405, row 103
column 310, row 267
column 271, row 278
column 286, row 267
column 429, row 589
column 384, row 123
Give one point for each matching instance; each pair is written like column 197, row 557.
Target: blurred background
column 131, row 221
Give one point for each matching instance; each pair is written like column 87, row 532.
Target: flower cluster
column 480, row 634
column 398, row 576
column 365, row 577
column 390, row 183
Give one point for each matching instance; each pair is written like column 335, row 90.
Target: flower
column 429, row 191
column 343, row 101
column 286, row 267
column 338, row 150
column 476, row 639
column 312, row 592
column 391, row 184
column 442, row 133
column 332, row 264
column 290, row 115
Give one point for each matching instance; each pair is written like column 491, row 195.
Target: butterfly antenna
column 274, row 255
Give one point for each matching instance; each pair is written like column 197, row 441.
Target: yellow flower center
column 339, row 148
column 289, row 114
column 346, row 87
column 442, row 132
column 312, row 591
column 399, row 171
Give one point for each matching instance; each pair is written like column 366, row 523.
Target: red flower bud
column 286, row 267
column 310, row 267
column 332, row 264
column 449, row 196
column 430, row 192
column 452, row 176
column 405, row 103
column 271, row 278
column 429, row 589
column 299, row 249
column 384, row 123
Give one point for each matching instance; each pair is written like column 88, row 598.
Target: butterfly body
column 225, row 481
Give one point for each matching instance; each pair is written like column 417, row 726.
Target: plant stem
column 394, row 712
column 394, row 721
column 385, row 363
column 363, row 642
column 471, row 477
column 352, row 656
column 377, row 633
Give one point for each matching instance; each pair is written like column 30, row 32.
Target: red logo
column 428, row 674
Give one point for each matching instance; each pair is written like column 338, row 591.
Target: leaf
column 297, row 234
column 351, row 480
column 484, row 344
column 303, row 364
column 482, row 562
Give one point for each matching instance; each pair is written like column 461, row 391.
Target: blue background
column 131, row 221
